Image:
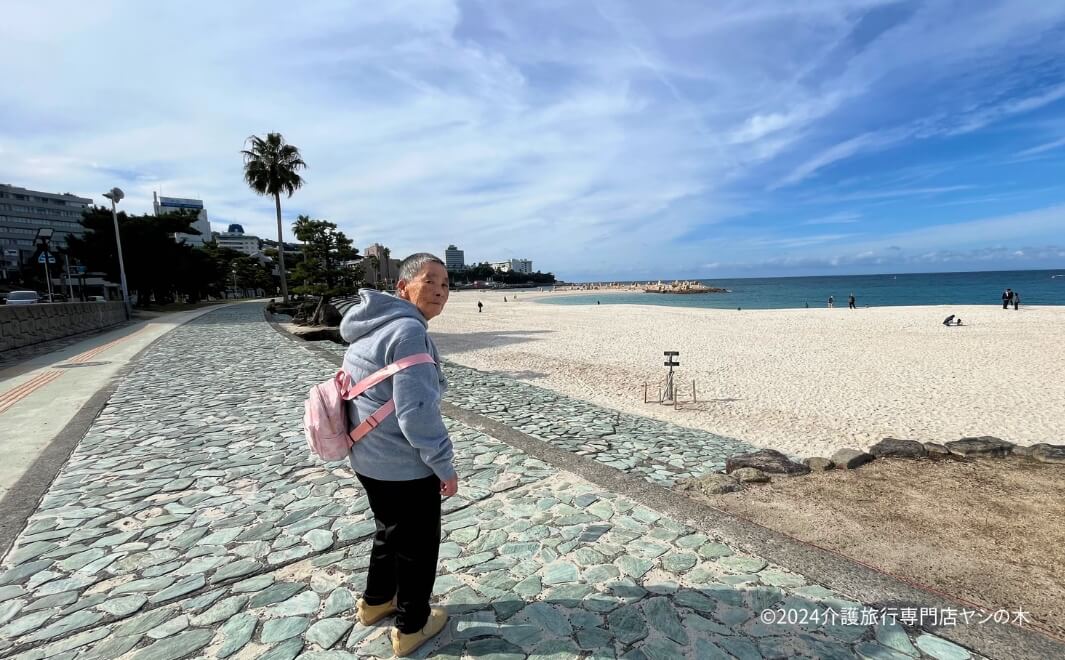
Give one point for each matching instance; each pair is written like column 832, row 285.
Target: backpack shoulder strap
column 375, row 418
column 371, row 422
column 387, row 372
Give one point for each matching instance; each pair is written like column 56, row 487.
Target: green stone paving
column 657, row 451
column 191, row 522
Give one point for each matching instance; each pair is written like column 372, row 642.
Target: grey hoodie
column 412, row 443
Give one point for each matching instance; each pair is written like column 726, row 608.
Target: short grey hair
column 413, row 265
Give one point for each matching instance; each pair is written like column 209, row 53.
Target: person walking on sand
column 850, row 302
column 405, row 463
column 1016, row 300
column 480, row 306
column 1007, row 295
column 831, row 302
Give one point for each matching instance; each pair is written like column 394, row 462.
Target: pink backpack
column 325, row 415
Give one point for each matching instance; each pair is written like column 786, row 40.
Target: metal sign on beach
column 669, row 394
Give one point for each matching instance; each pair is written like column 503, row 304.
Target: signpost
column 670, row 362
column 46, row 258
column 671, row 395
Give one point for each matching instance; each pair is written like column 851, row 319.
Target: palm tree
column 387, row 253
column 270, row 168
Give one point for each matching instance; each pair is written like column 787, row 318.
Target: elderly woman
column 405, row 462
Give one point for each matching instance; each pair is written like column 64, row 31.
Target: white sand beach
column 804, row 381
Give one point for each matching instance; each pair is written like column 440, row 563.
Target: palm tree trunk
column 281, row 250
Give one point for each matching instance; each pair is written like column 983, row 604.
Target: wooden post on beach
column 694, row 399
column 645, row 392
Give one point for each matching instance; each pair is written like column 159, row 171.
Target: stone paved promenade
column 657, row 451
column 190, row 522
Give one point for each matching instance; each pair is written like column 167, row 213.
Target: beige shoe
column 403, row 644
column 371, row 614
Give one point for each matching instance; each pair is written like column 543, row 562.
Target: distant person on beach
column 1007, row 296
column 596, row 302
column 1016, row 300
column 504, row 298
column 850, row 302
column 948, row 321
column 480, row 306
column 957, row 321
column 807, row 303
column 831, row 302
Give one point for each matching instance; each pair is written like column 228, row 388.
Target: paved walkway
column 190, row 522
column 43, row 391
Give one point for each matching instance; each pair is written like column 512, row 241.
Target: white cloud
column 841, row 218
column 1041, row 148
column 541, row 130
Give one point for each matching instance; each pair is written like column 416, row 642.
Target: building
column 513, row 265
column 235, row 239
column 290, row 248
column 387, row 268
column 454, row 258
column 174, row 204
column 23, row 212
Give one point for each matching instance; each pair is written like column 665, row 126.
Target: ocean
column 1036, row 287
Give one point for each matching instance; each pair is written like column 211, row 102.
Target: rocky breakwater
column 682, row 287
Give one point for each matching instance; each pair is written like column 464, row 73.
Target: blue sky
column 602, row 140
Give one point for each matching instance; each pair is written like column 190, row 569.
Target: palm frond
column 271, row 165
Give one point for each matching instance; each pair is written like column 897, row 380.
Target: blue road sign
column 46, row 256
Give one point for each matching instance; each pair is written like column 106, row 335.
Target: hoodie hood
column 373, row 310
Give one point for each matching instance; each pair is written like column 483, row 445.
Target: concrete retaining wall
column 22, row 325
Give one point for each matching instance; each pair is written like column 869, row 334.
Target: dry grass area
column 991, row 532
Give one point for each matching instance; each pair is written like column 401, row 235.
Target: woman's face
column 428, row 290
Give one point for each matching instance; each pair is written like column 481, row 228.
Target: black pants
column 405, row 547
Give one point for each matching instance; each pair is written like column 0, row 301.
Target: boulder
column 851, row 458
column 896, row 448
column 766, row 460
column 325, row 314
column 1048, row 453
column 818, row 464
column 715, row 484
column 984, row 445
column 1023, row 450
column 751, row 475
column 934, row 448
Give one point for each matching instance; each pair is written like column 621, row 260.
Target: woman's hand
column 449, row 487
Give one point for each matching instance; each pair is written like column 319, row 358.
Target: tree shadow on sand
column 462, row 342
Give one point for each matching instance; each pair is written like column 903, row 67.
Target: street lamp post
column 116, row 195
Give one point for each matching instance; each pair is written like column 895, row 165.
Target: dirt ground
column 990, row 531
